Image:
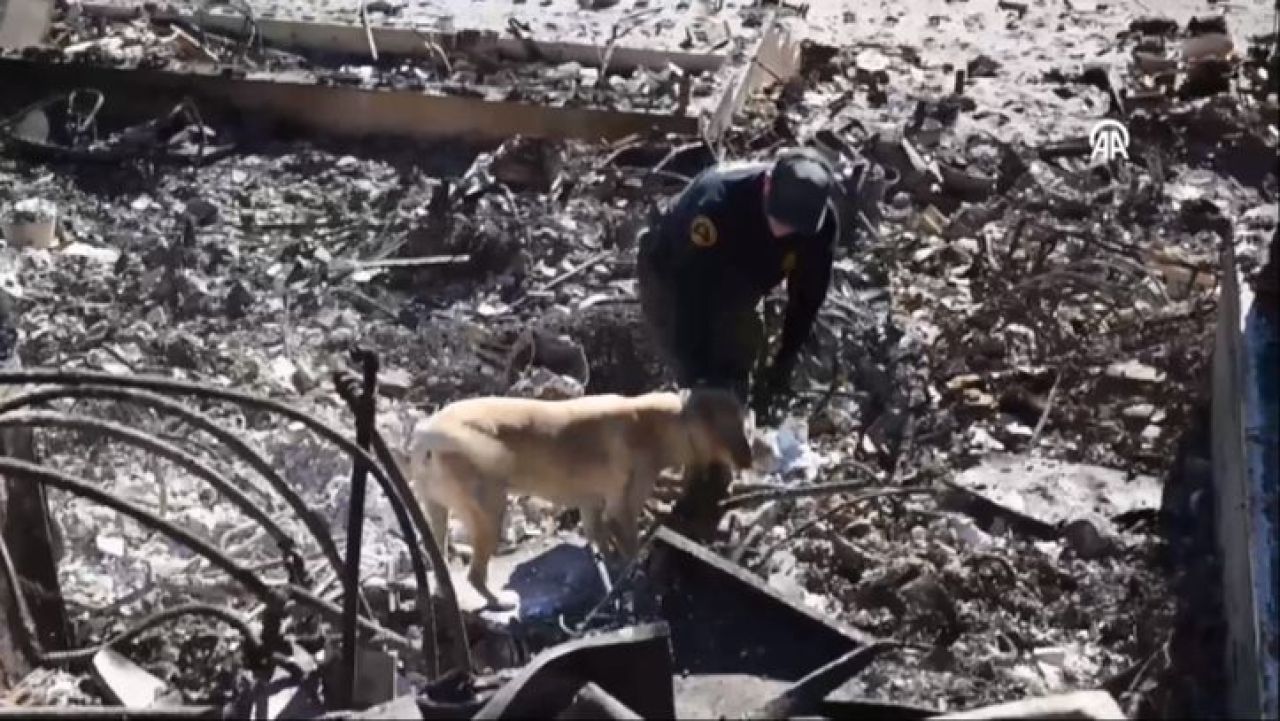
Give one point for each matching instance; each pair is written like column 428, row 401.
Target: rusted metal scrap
column 726, row 620
column 633, row 665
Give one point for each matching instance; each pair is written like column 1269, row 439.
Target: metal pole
column 355, row 526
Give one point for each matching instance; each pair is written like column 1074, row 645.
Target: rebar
column 314, row 523
column 253, row 645
column 346, row 390
column 12, row 468
column 810, row 491
column 257, row 649
column 396, row 500
column 333, row 613
column 355, row 523
column 137, row 389
column 293, row 561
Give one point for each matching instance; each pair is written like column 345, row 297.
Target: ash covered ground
column 1014, row 304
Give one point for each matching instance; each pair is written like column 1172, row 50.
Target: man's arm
column 806, row 290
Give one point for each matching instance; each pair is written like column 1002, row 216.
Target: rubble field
column 991, row 450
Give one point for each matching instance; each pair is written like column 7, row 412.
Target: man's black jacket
column 716, row 251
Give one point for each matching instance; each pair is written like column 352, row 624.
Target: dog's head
column 716, row 421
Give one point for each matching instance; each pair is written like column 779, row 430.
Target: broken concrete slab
column 130, row 685
column 1129, row 374
column 655, row 38
column 1052, row 493
column 395, row 382
column 723, row 695
column 1076, row 705
column 24, row 23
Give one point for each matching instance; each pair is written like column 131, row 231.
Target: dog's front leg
column 626, row 519
column 626, row 535
column 486, row 532
column 593, row 527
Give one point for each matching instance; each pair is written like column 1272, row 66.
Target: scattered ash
column 1059, row 310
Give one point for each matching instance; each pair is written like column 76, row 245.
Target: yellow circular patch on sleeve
column 702, row 232
column 788, row 262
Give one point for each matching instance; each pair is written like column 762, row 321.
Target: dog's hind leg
column 623, row 518
column 593, row 527
column 438, row 518
column 625, row 535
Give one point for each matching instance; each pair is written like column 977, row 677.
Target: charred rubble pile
column 967, row 488
column 126, row 39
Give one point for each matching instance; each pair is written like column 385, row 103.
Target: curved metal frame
column 413, row 523
column 293, row 562
column 244, row 451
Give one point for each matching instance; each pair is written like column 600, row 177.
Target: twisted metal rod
column 346, row 384
column 12, row 468
column 333, row 614
column 324, row 430
column 365, row 420
column 253, row 645
column 314, row 523
column 293, row 561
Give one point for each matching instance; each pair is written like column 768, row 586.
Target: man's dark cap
column 799, row 187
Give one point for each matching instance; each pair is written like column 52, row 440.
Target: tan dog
column 601, row 454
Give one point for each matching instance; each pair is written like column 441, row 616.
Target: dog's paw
column 499, row 606
column 502, row 602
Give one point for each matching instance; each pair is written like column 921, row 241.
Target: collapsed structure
column 1007, row 471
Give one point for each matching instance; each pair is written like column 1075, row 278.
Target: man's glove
column 775, row 381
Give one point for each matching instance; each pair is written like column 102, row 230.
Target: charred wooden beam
column 278, row 103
